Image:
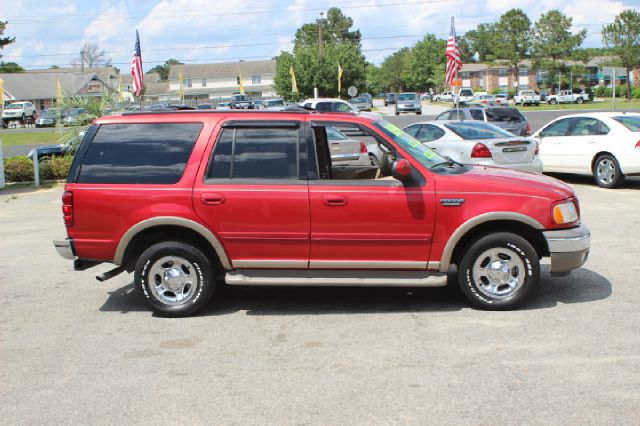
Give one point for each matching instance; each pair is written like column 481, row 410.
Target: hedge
column 20, row 169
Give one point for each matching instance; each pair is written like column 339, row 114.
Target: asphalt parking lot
column 73, row 350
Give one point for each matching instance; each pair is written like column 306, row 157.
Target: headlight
column 565, row 212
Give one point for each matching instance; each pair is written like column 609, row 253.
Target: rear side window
column 631, row 123
column 477, row 114
column 430, row 133
column 504, row 115
column 139, row 153
column 254, row 152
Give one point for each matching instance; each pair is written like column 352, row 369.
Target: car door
column 552, row 142
column 368, row 223
column 252, row 195
column 587, row 136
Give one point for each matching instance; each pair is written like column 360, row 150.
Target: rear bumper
column 65, row 248
column 569, row 248
column 534, row 166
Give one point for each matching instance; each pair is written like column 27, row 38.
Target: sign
column 94, row 87
column 456, row 83
column 352, row 91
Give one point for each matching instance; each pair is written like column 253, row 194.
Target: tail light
column 363, row 148
column 528, row 129
column 67, row 208
column 537, row 151
column 480, row 150
column 638, row 144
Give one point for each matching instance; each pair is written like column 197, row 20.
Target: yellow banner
column 294, row 83
column 339, row 79
column 180, row 79
column 1, row 93
column 241, row 84
column 59, row 94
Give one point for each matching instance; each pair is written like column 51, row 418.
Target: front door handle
column 334, row 200
column 212, row 198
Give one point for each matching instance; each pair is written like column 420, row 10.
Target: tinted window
column 559, row 128
column 412, row 130
column 631, row 123
column 139, row 153
column 588, row 126
column 477, row 114
column 504, row 114
column 334, row 134
column 323, row 107
column 268, row 153
column 430, row 133
column 477, row 130
column 407, row 97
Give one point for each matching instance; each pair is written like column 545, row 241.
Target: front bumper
column 408, row 108
column 569, row 248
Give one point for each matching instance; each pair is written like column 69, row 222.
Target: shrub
column 635, row 94
column 60, row 166
column 495, row 91
column 46, row 172
column 600, row 91
column 18, row 169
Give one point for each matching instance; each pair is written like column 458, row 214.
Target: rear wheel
column 498, row 271
column 553, row 102
column 175, row 278
column 579, row 100
column 607, row 172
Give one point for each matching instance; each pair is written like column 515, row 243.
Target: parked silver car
column 475, row 142
column 363, row 103
column 408, row 102
column 346, row 151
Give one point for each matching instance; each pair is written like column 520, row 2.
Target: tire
column 385, row 104
column 537, row 103
column 374, row 161
column 606, row 171
column 516, row 272
column 553, row 102
column 166, row 267
column 418, row 112
column 579, row 100
column 397, row 113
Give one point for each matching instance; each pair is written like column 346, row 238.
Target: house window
column 238, row 80
column 256, row 79
column 464, row 75
column 502, row 72
column 41, row 104
column 523, row 72
column 204, row 82
column 186, row 82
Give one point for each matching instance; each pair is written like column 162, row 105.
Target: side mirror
column 401, row 170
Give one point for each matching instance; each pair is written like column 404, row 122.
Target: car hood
column 499, row 180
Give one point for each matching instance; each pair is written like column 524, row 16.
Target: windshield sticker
column 401, row 134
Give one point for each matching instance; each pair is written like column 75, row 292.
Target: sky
column 204, row 31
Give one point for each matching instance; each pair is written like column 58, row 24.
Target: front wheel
column 579, row 100
column 607, row 172
column 553, row 102
column 498, row 271
column 175, row 278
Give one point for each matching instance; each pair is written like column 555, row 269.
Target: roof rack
column 288, row 110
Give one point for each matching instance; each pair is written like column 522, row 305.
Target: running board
column 378, row 278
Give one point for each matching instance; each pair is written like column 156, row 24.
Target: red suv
column 188, row 199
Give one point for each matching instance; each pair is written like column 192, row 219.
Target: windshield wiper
column 450, row 163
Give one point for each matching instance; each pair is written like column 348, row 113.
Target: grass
column 29, row 138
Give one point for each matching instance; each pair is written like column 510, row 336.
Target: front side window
column 139, row 153
column 341, row 107
column 255, row 152
column 429, row 133
column 559, row 128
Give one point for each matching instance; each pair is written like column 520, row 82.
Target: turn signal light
column 480, row 150
column 528, row 129
column 363, row 148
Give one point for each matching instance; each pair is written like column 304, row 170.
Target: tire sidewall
column 616, row 181
column 203, row 270
column 509, row 241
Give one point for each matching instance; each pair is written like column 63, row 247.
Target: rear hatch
column 509, row 119
column 511, row 150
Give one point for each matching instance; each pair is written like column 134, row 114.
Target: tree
column 10, row 67
column 335, row 28
column 483, row 41
column 318, row 67
column 514, row 29
column 392, row 70
column 4, row 40
column 552, row 40
column 623, row 36
column 163, row 70
column 423, row 61
column 91, row 56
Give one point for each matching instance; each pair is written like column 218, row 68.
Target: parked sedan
column 362, row 103
column 47, row 118
column 510, row 119
column 408, row 102
column 605, row 145
column 345, row 151
column 475, row 142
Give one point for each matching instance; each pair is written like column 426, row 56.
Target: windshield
column 48, row 113
column 631, row 123
column 240, row 98
column 477, row 130
column 407, row 97
column 417, row 150
column 15, row 106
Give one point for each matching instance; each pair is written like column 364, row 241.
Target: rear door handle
column 334, row 200
column 212, row 198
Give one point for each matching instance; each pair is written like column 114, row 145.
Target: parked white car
column 477, row 142
column 18, row 111
column 464, row 96
column 527, row 97
column 444, row 97
column 329, row 105
column 605, row 145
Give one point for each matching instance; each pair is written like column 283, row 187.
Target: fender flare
column 470, row 224
column 171, row 221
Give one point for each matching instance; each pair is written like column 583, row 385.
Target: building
column 126, row 84
column 41, row 88
column 205, row 82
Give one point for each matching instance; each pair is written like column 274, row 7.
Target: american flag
column 453, row 56
column 136, row 68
